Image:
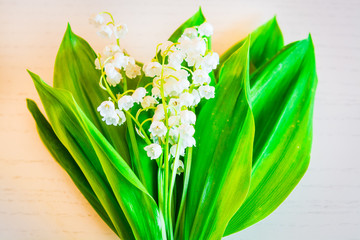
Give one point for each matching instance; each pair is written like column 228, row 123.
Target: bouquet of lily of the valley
column 190, row 145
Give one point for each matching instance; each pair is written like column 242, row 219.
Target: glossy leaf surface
column 74, row 129
column 265, row 42
column 282, row 99
column 66, row 161
column 220, row 173
column 75, row 71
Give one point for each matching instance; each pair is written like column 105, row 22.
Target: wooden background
column 39, row 201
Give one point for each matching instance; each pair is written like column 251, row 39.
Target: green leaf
column 75, row 71
column 147, row 166
column 282, row 99
column 66, row 161
column 220, row 172
column 79, row 135
column 265, row 42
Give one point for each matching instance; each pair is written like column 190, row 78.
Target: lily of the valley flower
column 206, row 29
column 188, row 117
column 158, row 129
column 148, row 101
column 106, row 108
column 105, row 31
column 207, row 91
column 126, row 102
column 201, row 77
column 113, row 77
column 152, row 69
column 139, row 94
column 120, row 30
column 180, row 79
column 97, row 20
column 153, row 150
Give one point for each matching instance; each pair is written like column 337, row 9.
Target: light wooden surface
column 39, row 201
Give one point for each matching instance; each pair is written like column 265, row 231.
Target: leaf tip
column 200, row 12
column 29, row 102
column 68, row 28
column 310, row 38
column 32, row 75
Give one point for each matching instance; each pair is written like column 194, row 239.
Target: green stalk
column 174, row 170
column 133, row 141
column 181, row 215
column 167, row 210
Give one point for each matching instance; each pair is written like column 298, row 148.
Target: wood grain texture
column 39, row 201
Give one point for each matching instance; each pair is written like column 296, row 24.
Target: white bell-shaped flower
column 120, row 30
column 176, row 58
column 195, row 93
column 172, row 87
column 174, row 106
column 179, row 166
column 188, row 117
column 110, row 50
column 115, row 118
column 201, row 77
column 186, row 130
column 139, row 94
column 125, row 102
column 148, row 101
column 153, row 150
column 105, row 31
column 206, row 29
column 120, row 60
column 155, row 92
column 106, row 108
column 193, row 60
column 174, row 135
column 132, row 70
column 158, row 129
column 152, row 69
column 194, row 47
column 159, row 113
column 207, row 91
column 209, row 62
column 188, row 141
column 187, row 99
column 97, row 20
column 113, row 77
column 190, row 33
column 97, row 64
column 121, row 115
column 181, row 150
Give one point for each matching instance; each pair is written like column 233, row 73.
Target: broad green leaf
column 66, row 161
column 220, row 173
column 147, row 166
column 75, row 130
column 265, row 42
column 282, row 99
column 75, row 71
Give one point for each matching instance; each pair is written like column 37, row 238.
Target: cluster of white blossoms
column 178, row 78
column 113, row 61
column 114, row 64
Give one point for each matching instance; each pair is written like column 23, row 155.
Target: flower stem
column 134, row 145
column 181, row 215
